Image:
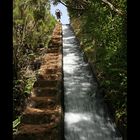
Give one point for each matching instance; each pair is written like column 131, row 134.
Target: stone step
column 51, row 62
column 58, row 67
column 55, row 40
column 55, row 55
column 57, row 37
column 52, row 59
column 45, row 92
column 57, row 76
column 53, row 71
column 48, row 72
column 44, row 102
column 38, row 116
column 38, row 132
column 51, row 54
column 55, row 44
column 52, row 65
column 53, row 50
column 58, row 32
column 47, row 83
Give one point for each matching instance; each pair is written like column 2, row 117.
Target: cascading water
column 85, row 117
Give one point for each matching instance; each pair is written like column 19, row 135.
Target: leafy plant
column 16, row 123
column 102, row 31
column 32, row 27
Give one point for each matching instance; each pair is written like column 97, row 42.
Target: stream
column 86, row 116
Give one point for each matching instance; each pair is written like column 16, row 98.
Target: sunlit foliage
column 103, row 34
column 32, row 27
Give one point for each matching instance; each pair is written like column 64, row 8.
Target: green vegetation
column 32, row 27
column 100, row 26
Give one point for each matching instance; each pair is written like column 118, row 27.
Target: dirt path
column 42, row 118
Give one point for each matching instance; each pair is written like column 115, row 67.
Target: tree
column 32, row 26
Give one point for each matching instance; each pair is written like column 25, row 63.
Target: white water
column 86, row 117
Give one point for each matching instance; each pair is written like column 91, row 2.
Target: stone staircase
column 43, row 117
